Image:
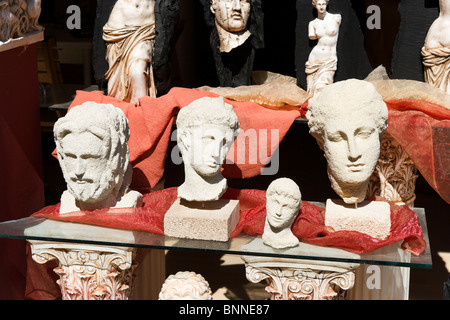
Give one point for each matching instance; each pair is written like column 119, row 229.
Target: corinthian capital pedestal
column 301, row 279
column 89, row 272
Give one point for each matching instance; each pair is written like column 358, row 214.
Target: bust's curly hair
column 342, row 99
column 287, row 188
column 185, row 284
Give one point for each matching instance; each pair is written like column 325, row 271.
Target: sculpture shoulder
column 313, row 23
column 336, row 17
column 67, row 203
column 131, row 199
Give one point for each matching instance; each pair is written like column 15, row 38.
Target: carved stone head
column 348, row 119
column 283, row 201
column 231, row 17
column 91, row 143
column 185, row 285
column 206, row 129
column 320, row 5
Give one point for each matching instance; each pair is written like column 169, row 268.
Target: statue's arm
column 312, row 31
column 338, row 19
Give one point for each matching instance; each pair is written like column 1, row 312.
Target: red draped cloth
column 423, row 130
column 308, row 227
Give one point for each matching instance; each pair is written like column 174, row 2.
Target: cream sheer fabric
column 406, row 89
column 278, row 91
column 269, row 90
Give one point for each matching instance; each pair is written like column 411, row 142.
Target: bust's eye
column 336, row 136
column 70, row 155
column 89, row 156
column 364, row 133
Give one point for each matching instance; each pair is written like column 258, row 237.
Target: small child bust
column 282, row 206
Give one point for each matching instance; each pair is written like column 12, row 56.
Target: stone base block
column 369, row 217
column 212, row 220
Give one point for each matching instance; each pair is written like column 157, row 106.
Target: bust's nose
column 354, row 151
column 237, row 5
column 80, row 168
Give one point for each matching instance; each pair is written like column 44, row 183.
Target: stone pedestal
column 212, row 220
column 369, row 217
column 89, row 272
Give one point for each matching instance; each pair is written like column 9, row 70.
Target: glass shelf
column 40, row 229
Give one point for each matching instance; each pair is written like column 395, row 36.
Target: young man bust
column 282, row 206
column 206, row 129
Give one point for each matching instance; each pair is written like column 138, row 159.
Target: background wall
column 21, row 174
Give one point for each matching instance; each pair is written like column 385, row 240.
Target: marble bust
column 91, row 143
column 236, row 33
column 130, row 37
column 206, row 129
column 348, row 119
column 185, row 285
column 322, row 61
column 282, row 205
column 231, row 17
column 436, row 50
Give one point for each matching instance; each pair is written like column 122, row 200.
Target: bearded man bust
column 91, row 143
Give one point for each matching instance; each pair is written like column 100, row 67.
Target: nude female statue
column 436, row 50
column 322, row 62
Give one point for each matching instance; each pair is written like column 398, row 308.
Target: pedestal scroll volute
column 395, row 175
